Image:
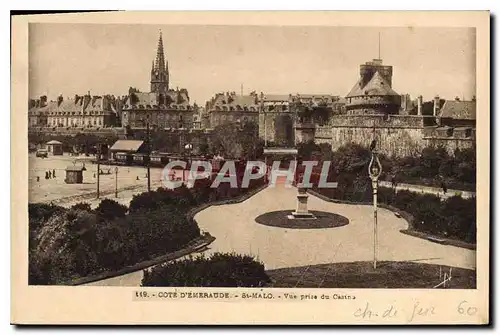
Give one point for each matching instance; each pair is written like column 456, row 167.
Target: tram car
column 141, row 159
column 159, row 159
column 124, row 159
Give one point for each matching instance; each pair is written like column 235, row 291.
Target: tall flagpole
column 379, row 45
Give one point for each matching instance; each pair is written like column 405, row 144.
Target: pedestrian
column 37, row 178
column 444, row 187
column 50, row 175
column 53, row 173
column 94, row 175
column 137, row 178
column 46, row 175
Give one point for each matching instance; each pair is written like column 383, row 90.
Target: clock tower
column 159, row 70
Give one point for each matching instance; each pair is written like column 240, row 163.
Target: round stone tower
column 373, row 93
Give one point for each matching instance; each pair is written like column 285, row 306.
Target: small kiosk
column 74, row 174
column 54, row 148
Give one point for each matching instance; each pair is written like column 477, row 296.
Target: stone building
column 285, row 120
column 85, row 111
column 373, row 111
column 162, row 106
column 37, row 112
column 230, row 107
column 458, row 113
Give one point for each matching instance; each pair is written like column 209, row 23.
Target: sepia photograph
column 264, row 158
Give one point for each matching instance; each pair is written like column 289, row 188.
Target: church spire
column 159, row 71
column 160, row 56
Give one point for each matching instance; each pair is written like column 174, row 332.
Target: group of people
column 48, row 175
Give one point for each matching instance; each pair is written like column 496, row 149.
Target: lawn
column 362, row 275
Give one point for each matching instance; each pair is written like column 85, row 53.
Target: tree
column 133, row 90
column 232, row 142
column 431, row 159
column 351, row 158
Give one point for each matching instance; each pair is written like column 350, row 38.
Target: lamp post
column 374, row 170
column 148, row 151
column 187, row 150
column 116, row 181
column 98, row 148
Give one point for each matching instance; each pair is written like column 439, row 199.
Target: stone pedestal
column 302, row 212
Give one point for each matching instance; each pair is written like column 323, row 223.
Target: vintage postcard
column 218, row 168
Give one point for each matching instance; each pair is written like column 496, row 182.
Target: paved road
column 235, row 229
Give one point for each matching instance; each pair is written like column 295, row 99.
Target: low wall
column 397, row 135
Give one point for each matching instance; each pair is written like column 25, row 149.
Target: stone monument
column 301, row 211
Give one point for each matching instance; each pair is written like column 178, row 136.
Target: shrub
column 82, row 206
column 109, row 209
column 38, row 214
column 219, row 270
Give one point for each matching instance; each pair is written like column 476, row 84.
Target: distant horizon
column 71, row 59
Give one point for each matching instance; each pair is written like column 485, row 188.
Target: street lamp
column 374, row 170
column 116, row 181
column 98, row 149
column 187, row 149
column 148, row 151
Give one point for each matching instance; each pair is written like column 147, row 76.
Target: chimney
column 436, row 105
column 43, row 101
column 419, row 105
column 105, row 102
column 86, row 101
column 59, row 100
column 77, row 97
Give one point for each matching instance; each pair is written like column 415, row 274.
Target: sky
column 71, row 59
